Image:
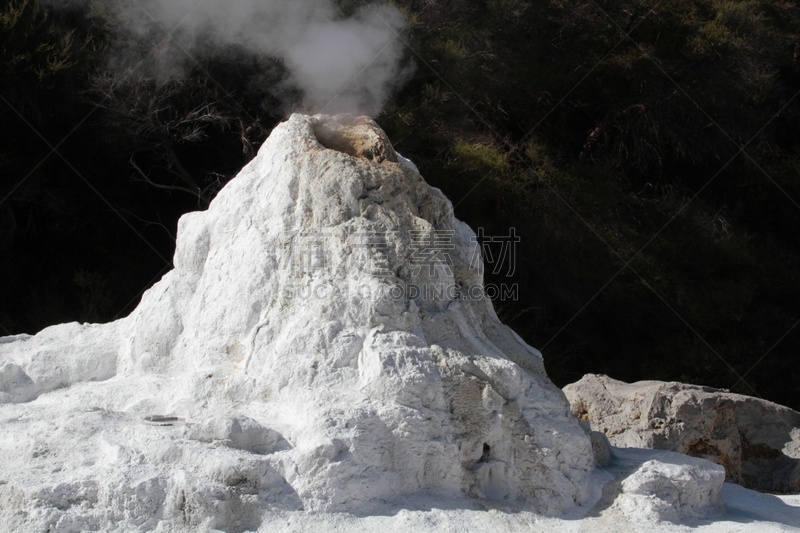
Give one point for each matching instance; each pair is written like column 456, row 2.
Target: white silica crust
column 286, row 364
column 669, row 486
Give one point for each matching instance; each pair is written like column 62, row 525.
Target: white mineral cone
column 322, row 343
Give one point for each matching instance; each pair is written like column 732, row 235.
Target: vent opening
column 357, row 137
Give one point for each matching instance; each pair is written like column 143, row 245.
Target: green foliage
column 650, row 249
column 601, row 151
column 38, row 56
column 481, row 157
column 33, row 45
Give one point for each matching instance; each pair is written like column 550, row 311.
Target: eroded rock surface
column 758, row 442
column 286, row 363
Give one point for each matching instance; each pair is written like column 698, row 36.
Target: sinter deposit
column 308, row 361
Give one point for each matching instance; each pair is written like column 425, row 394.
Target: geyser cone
column 324, row 324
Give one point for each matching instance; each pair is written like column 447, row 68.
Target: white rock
column 407, row 162
column 238, row 432
column 290, row 361
column 668, row 487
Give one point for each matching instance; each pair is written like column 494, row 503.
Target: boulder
column 758, row 442
column 667, row 486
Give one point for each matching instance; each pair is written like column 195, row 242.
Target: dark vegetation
column 654, row 178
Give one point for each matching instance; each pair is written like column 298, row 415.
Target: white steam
column 340, row 64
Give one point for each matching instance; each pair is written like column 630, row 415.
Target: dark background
column 645, row 152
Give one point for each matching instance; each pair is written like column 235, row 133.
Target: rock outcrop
column 758, row 442
column 308, row 351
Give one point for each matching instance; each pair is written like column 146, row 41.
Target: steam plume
column 339, row 63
